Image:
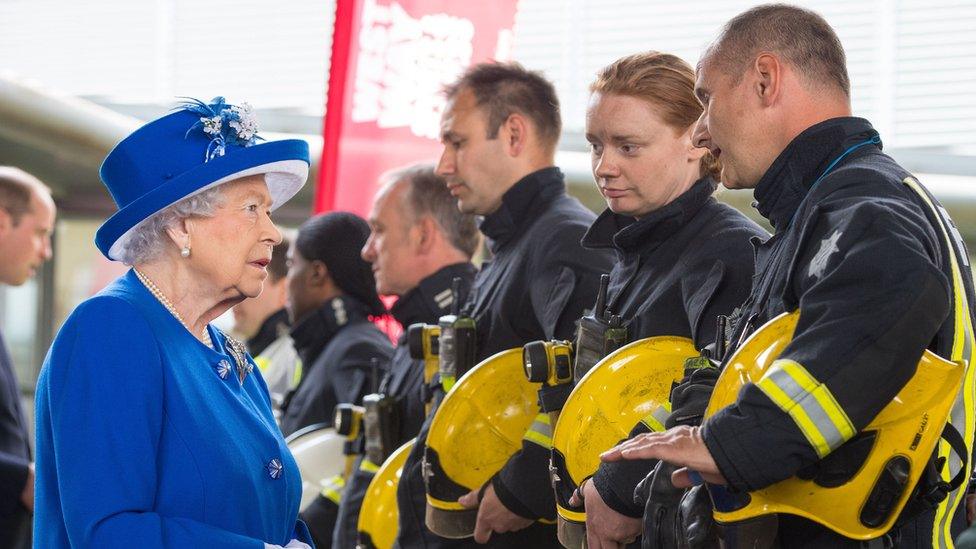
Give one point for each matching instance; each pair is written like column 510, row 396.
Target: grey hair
column 427, row 194
column 146, row 241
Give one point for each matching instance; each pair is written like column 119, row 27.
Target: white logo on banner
column 404, row 64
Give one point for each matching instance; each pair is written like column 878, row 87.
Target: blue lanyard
column 875, row 140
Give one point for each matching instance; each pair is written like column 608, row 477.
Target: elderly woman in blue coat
column 154, row 429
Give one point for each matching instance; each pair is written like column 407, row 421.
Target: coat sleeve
column 565, row 280
column 13, row 479
column 106, row 417
column 564, row 288
column 354, row 371
column 871, row 298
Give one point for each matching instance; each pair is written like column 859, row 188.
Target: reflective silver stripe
column 656, row 420
column 809, row 403
column 540, row 432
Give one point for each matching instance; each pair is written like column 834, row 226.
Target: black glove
column 690, row 397
column 675, row 518
column 695, row 522
column 661, row 502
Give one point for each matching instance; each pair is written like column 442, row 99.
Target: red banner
column 390, row 61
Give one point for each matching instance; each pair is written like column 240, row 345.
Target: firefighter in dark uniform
column 683, row 258
column 860, row 249
column 500, row 131
column 331, row 297
column 418, row 244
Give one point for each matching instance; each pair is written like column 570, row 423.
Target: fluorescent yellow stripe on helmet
column 445, row 505
column 809, row 403
column 540, row 432
column 332, row 488
column 368, row 466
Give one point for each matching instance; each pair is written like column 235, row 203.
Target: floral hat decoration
column 196, row 147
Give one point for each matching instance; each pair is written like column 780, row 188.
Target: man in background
column 26, row 223
column 418, row 244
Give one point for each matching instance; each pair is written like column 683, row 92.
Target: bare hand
column 493, row 516
column 682, row 446
column 27, row 495
column 604, row 526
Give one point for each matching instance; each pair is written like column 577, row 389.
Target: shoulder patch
column 828, row 247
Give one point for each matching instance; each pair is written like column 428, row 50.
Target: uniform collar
column 628, row 235
column 270, row 330
column 312, row 333
column 432, row 298
column 789, row 178
column 519, row 204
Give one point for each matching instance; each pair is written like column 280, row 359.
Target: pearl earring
column 185, row 252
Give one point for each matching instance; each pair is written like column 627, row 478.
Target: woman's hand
column 682, row 446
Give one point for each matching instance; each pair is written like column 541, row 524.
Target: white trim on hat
column 284, row 179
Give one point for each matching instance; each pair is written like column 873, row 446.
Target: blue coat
column 141, row 443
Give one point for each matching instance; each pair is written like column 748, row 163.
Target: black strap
column 931, row 489
column 958, row 445
column 552, row 397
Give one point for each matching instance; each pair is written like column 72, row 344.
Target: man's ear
column 515, row 131
column 768, row 71
column 426, row 229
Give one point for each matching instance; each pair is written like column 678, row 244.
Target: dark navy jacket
column 426, row 303
column 336, row 343
column 864, row 260
column 538, row 282
column 677, row 269
column 15, row 456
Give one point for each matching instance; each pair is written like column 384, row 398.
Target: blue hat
column 189, row 151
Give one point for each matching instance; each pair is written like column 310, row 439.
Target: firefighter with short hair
column 419, row 243
column 872, row 263
column 500, row 130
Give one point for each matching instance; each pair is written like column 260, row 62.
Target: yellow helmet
column 379, row 516
column 630, row 385
column 318, row 450
column 477, row 428
column 897, row 444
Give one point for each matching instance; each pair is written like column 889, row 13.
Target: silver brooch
column 223, row 369
column 237, row 351
column 275, row 468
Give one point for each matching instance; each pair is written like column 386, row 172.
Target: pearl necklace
column 158, row 294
